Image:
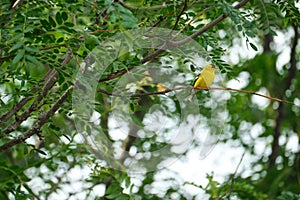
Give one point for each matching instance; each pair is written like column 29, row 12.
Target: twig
column 162, row 18
column 36, row 127
column 233, row 177
column 191, row 21
column 142, row 8
column 115, row 74
column 254, row 93
column 172, row 44
column 178, row 17
column 138, row 95
column 191, row 87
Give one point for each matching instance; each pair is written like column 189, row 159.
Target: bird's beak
column 214, row 67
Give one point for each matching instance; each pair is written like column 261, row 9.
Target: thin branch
column 191, row 21
column 233, row 177
column 143, row 8
column 172, row 44
column 191, row 87
column 115, row 74
column 280, row 117
column 37, row 126
column 162, row 18
column 178, row 17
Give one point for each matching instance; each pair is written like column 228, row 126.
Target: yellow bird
column 204, row 79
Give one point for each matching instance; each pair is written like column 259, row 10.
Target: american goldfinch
column 204, row 79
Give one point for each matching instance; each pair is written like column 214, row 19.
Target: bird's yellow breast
column 205, row 79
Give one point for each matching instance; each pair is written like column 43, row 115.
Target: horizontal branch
column 191, row 87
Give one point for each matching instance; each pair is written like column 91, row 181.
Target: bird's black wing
column 196, row 78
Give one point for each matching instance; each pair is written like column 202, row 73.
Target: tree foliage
column 130, row 56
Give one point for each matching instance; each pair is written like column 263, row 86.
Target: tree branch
column 172, row 44
column 23, row 102
column 233, row 178
column 192, row 20
column 36, row 127
column 291, row 75
column 50, row 80
column 191, row 87
column 48, row 85
column 178, row 17
column 115, row 74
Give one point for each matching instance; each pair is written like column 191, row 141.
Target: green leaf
column 59, row 40
column 132, row 108
column 123, row 197
column 266, row 31
column 113, row 195
column 110, row 9
column 25, row 150
column 239, row 27
column 253, row 46
column 46, row 24
column 128, row 24
column 58, row 18
column 127, row 182
column 16, row 37
column 250, row 34
column 16, row 46
column 22, row 83
column 114, row 188
column 28, row 29
column 64, row 16
column 51, row 21
column 286, row 21
column 69, row 24
column 33, row 60
column 273, row 32
column 18, row 57
column 32, row 49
